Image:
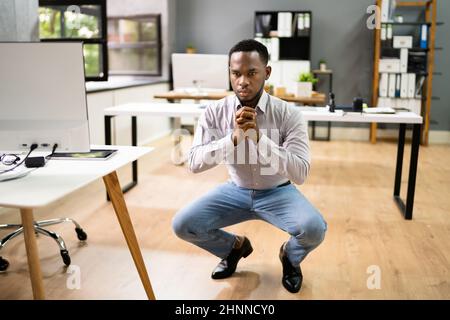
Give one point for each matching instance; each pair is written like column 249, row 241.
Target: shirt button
column 254, row 169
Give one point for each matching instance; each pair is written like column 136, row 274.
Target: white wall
column 19, row 20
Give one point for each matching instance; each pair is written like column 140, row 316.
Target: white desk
column 58, row 179
column 309, row 114
column 400, row 117
column 156, row 109
column 195, row 110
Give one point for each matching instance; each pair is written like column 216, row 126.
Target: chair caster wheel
column 65, row 256
column 4, row 264
column 82, row 236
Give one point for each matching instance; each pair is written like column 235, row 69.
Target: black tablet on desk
column 94, row 154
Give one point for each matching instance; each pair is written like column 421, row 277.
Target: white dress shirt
column 282, row 153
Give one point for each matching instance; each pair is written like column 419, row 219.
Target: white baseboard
column 439, row 137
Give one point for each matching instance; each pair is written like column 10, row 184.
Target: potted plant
column 305, row 84
column 322, row 65
column 190, row 48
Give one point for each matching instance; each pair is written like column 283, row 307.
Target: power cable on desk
column 32, row 163
column 53, row 152
column 38, row 162
column 32, row 147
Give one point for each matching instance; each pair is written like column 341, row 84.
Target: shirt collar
column 262, row 103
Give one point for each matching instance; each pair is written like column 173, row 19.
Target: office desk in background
column 317, row 98
column 400, row 118
column 60, row 178
column 309, row 114
column 174, row 96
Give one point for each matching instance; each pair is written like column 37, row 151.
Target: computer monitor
column 43, row 97
column 200, row 72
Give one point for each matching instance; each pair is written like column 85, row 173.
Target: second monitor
column 200, row 72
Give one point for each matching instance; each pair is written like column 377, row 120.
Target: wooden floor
column 351, row 183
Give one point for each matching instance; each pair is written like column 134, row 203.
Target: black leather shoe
column 292, row 276
column 227, row 266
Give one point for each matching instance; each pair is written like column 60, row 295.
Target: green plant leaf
column 307, row 77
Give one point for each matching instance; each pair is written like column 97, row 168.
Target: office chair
column 38, row 228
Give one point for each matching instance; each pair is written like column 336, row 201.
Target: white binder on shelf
column 384, row 79
column 397, row 85
column 385, row 10
column 424, row 36
column 403, row 60
column 411, row 85
column 391, row 91
column 280, row 24
column 389, row 32
column 402, row 42
column 288, row 24
column 404, row 86
column 389, row 65
column 307, row 21
column 300, row 23
column 284, row 24
column 383, row 32
column 419, row 84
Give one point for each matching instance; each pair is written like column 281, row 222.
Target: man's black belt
column 284, row 184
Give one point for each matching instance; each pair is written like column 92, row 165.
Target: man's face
column 247, row 75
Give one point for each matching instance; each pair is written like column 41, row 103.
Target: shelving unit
column 293, row 45
column 428, row 66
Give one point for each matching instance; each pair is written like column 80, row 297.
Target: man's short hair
column 250, row 45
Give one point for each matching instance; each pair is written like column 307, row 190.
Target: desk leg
column 134, row 143
column 328, row 137
column 399, row 166
column 412, row 171
column 108, row 130
column 407, row 209
column 32, row 254
column 108, row 141
column 134, row 164
column 329, row 131
column 115, row 192
column 313, row 125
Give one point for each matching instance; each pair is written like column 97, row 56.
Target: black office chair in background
column 38, row 227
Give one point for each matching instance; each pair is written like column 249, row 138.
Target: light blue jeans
column 285, row 207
